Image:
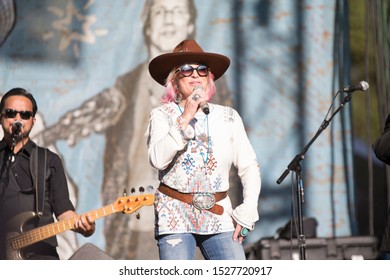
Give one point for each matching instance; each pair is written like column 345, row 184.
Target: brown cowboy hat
column 188, row 51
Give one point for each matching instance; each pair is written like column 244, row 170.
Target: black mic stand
column 14, row 137
column 296, row 167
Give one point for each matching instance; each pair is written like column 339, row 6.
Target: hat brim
column 160, row 66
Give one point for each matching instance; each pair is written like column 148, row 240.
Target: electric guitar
column 17, row 239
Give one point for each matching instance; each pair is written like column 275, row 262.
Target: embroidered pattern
column 188, row 164
column 229, row 114
column 193, row 170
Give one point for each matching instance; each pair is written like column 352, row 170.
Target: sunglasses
column 187, row 70
column 11, row 113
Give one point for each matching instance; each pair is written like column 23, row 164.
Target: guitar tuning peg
column 138, row 216
column 149, row 189
column 141, row 189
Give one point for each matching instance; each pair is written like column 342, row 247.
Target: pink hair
column 170, row 92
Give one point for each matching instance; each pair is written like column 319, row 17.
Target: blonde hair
column 171, row 91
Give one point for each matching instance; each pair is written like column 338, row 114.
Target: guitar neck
column 44, row 232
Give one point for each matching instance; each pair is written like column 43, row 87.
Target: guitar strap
column 38, row 170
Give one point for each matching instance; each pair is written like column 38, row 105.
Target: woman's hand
column 192, row 104
column 240, row 233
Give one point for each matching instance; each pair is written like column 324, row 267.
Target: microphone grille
column 364, row 85
column 17, row 124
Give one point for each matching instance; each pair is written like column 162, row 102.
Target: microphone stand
column 296, row 167
column 14, row 137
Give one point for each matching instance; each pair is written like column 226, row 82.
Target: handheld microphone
column 17, row 127
column 361, row 86
column 204, row 105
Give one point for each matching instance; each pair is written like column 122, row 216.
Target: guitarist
column 18, row 193
column 381, row 149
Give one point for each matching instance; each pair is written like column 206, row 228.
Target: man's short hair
column 19, row 92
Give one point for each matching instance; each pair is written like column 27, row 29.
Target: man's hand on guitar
column 85, row 225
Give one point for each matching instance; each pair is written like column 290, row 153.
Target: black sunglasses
column 187, row 70
column 11, row 113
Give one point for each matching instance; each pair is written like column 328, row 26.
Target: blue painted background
column 282, row 79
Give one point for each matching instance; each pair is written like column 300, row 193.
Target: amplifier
column 339, row 248
column 90, row 252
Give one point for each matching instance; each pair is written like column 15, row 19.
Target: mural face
column 169, row 22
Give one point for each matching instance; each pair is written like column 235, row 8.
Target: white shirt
column 198, row 165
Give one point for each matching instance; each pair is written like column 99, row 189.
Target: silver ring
column 196, row 97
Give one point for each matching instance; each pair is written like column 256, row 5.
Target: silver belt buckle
column 203, row 201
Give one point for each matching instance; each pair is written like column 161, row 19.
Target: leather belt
column 202, row 201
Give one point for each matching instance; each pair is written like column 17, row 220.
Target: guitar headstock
column 130, row 204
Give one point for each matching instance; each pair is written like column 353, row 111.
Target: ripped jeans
column 182, row 246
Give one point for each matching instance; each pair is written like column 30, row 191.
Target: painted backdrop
column 86, row 61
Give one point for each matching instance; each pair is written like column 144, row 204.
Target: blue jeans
column 182, row 246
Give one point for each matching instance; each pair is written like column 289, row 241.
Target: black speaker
column 90, row 252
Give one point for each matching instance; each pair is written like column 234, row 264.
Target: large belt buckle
column 203, row 201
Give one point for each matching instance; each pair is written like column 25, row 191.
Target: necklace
column 202, row 135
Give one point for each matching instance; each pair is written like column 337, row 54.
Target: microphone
column 17, row 127
column 204, row 105
column 361, row 86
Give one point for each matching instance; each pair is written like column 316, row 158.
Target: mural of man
column 121, row 112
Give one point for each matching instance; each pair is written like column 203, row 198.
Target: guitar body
column 15, row 228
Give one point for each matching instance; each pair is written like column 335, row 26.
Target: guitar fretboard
column 44, row 232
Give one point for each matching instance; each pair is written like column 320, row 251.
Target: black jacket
column 381, row 149
column 382, row 144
